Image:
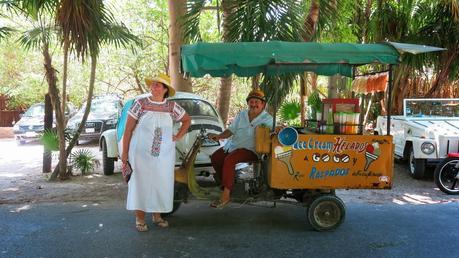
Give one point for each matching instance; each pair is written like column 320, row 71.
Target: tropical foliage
column 91, row 53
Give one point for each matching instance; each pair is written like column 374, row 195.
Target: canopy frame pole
column 276, row 84
column 389, row 98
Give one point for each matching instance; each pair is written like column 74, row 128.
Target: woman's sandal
column 162, row 223
column 219, row 204
column 141, row 227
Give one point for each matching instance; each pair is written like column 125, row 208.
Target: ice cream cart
column 298, row 163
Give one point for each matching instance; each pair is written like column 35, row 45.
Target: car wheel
column 417, row 166
column 107, row 163
column 446, row 176
column 20, row 142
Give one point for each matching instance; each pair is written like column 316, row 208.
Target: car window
column 196, row 107
column 35, row 111
column 102, row 107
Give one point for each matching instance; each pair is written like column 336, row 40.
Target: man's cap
column 257, row 94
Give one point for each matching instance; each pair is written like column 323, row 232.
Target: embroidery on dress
column 157, row 139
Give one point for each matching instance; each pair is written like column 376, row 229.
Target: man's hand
column 278, row 129
column 213, row 136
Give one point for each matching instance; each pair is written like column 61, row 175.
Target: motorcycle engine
column 247, row 174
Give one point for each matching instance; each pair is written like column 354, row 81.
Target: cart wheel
column 180, row 194
column 326, row 213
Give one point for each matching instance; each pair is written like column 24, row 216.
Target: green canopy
column 277, row 57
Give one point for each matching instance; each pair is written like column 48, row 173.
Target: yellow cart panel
column 332, row 162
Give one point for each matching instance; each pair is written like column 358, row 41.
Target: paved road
column 106, row 230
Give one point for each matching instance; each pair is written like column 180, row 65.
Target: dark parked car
column 104, row 114
column 31, row 124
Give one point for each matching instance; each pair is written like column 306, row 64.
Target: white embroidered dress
column 152, row 155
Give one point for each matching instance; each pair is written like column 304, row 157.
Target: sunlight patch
column 419, row 199
column 11, row 189
column 11, row 175
column 397, row 201
column 23, row 208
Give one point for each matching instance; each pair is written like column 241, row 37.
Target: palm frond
column 33, row 8
column 277, row 88
column 35, row 37
column 289, row 111
column 120, row 36
column 82, row 24
column 191, row 20
column 5, row 32
column 330, row 15
column 83, row 160
column 261, row 20
column 50, row 140
column 11, row 6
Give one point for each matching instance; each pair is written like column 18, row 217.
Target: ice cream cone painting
column 284, row 154
column 372, row 153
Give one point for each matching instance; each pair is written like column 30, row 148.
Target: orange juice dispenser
column 345, row 114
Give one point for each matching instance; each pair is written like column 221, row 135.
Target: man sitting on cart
column 241, row 146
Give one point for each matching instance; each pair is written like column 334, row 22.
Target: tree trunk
column 177, row 9
column 442, row 77
column 61, row 118
column 86, row 112
column 333, row 86
column 64, row 75
column 224, row 98
column 48, row 126
column 310, row 24
column 224, row 93
column 50, row 73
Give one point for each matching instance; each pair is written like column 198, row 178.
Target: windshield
column 432, row 108
column 101, row 106
column 196, row 107
column 38, row 110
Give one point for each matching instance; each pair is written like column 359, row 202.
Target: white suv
column 426, row 132
column 203, row 117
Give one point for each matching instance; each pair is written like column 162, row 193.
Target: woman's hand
column 124, row 158
column 176, row 137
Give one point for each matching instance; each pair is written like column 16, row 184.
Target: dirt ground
column 6, row 132
column 22, row 182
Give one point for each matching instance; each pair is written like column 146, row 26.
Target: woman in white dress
column 149, row 145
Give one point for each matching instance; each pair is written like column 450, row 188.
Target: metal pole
column 276, row 89
column 389, row 98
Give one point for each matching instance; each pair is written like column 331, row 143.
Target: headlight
column 427, row 148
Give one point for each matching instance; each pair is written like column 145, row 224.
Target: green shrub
column 83, row 160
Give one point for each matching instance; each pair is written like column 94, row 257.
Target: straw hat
column 257, row 94
column 165, row 80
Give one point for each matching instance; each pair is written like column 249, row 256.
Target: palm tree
column 38, row 37
column 420, row 22
column 255, row 20
column 85, row 25
column 442, row 29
